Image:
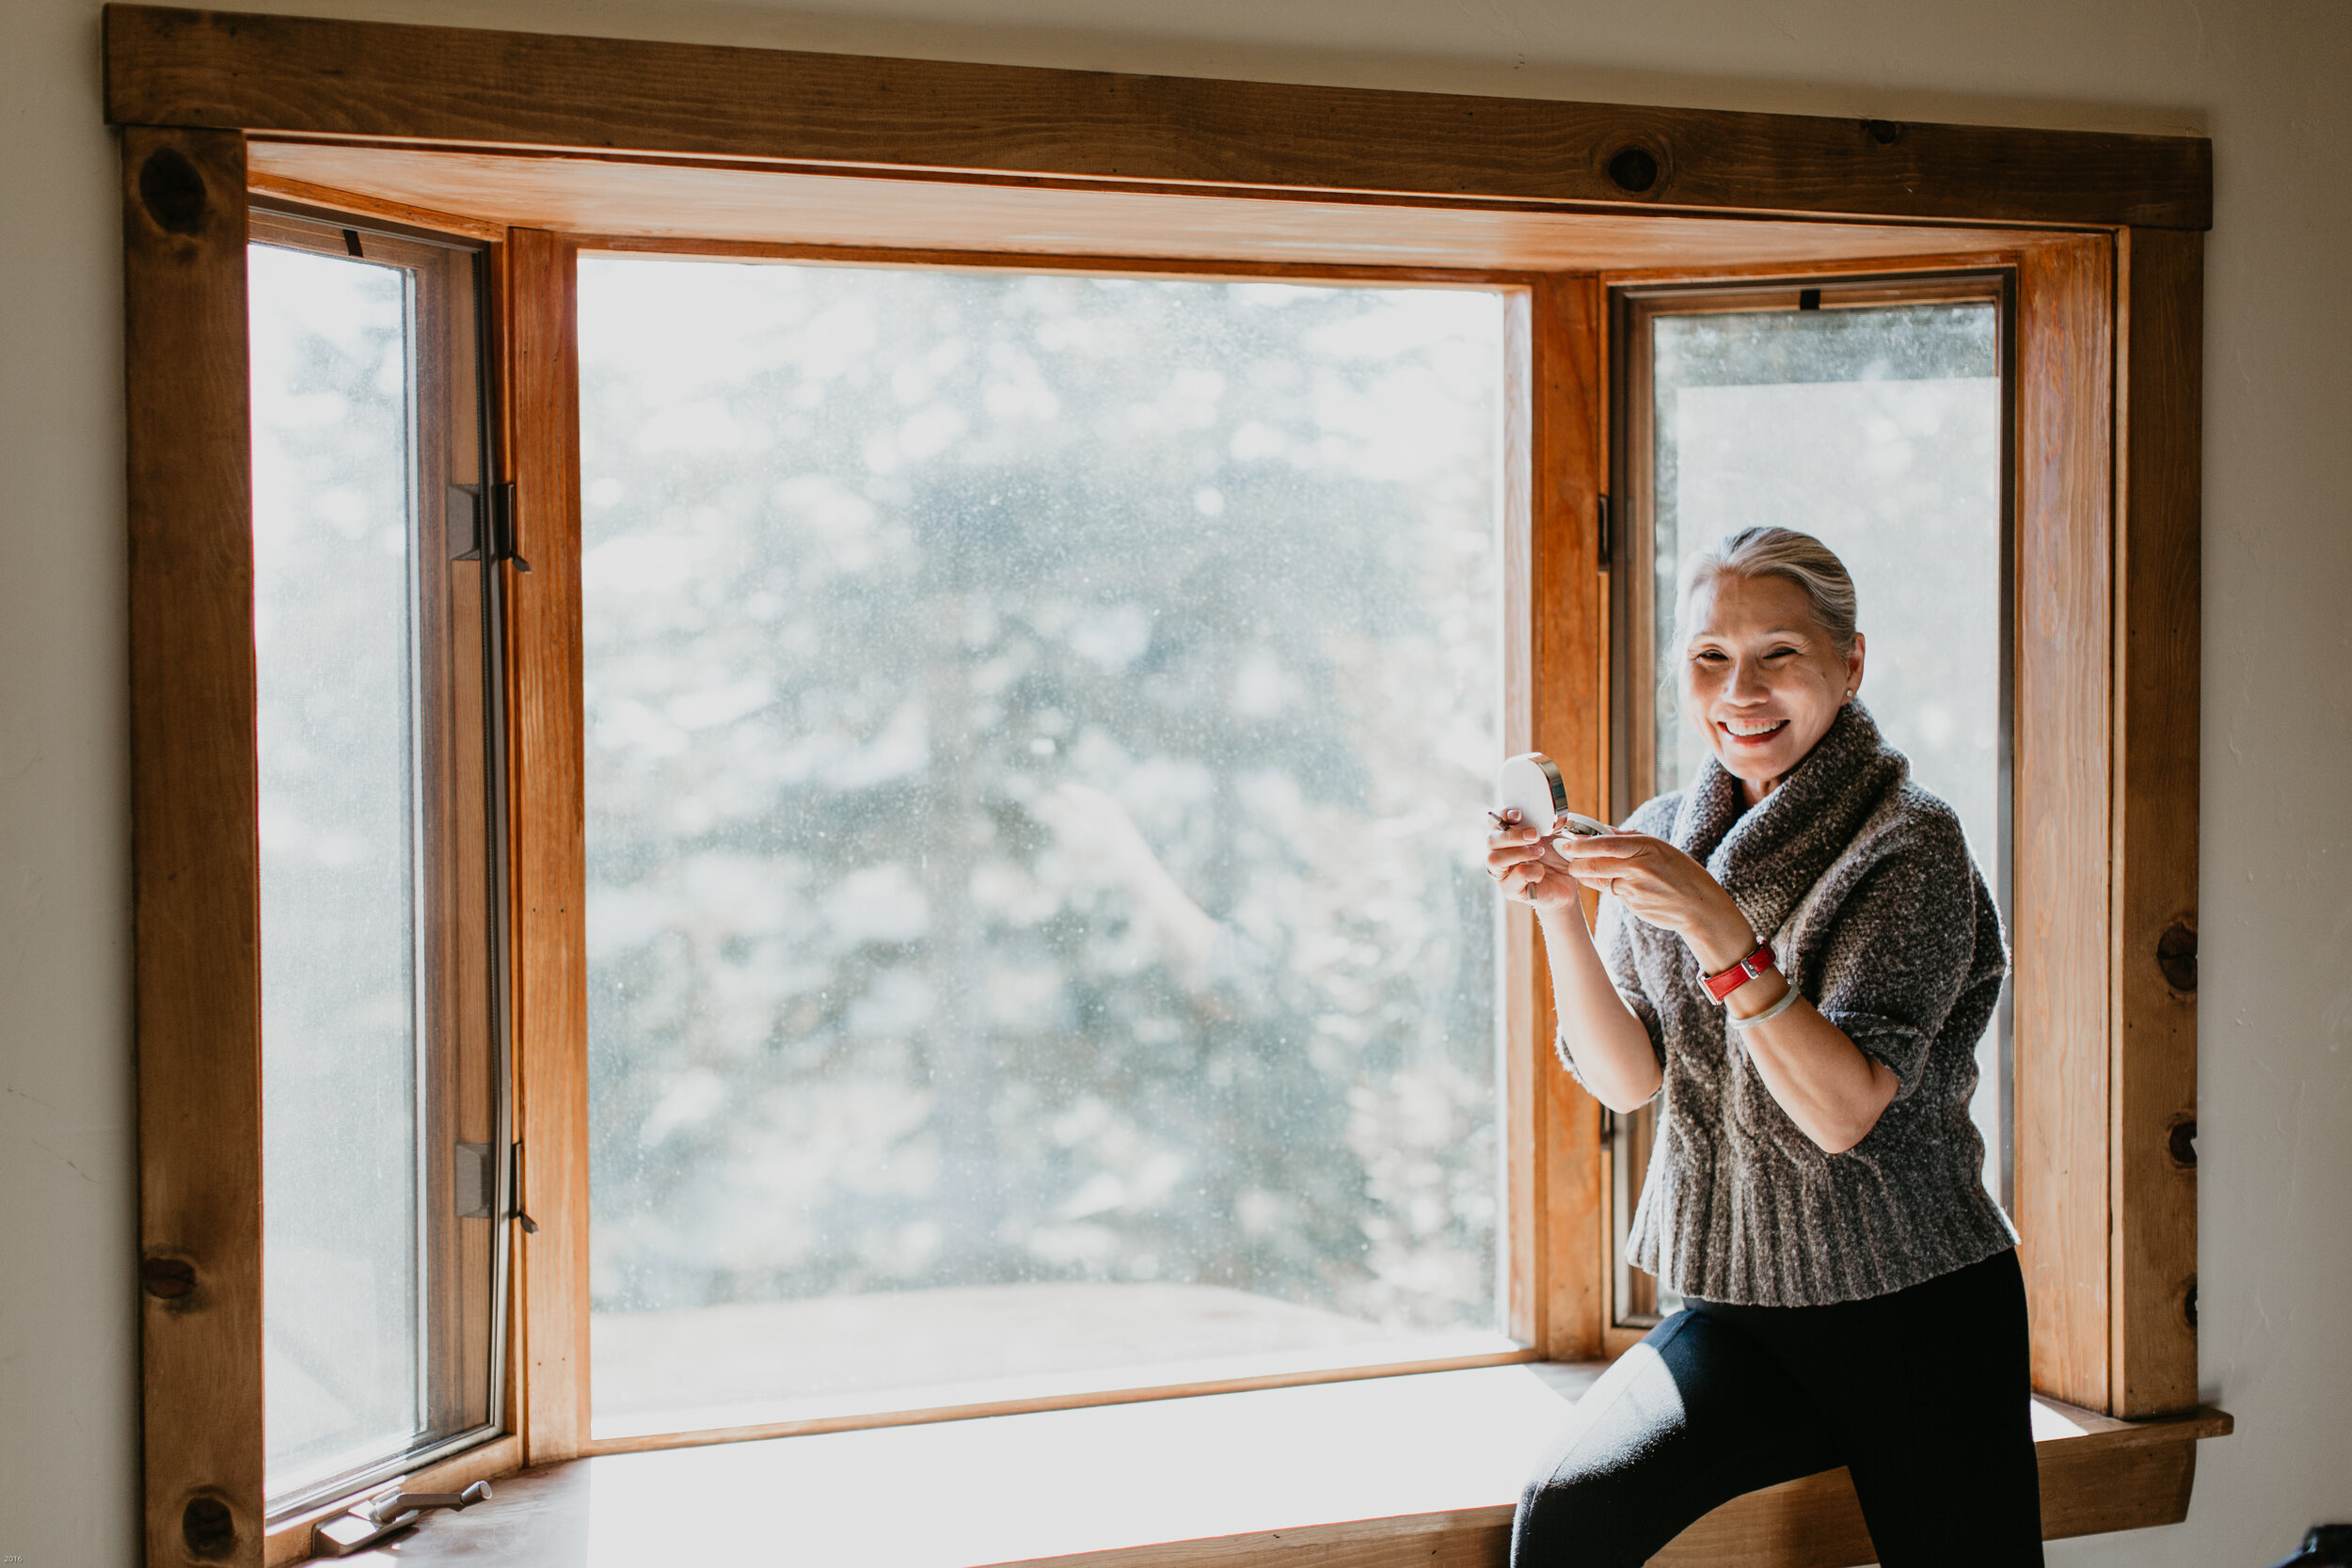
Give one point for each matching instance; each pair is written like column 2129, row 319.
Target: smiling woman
column 1797, row 957
column 1770, row 651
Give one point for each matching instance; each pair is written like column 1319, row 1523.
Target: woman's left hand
column 1667, row 888
column 1812, row 1068
column 1831, row 1090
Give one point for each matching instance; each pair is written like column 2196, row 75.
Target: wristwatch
column 1721, row 985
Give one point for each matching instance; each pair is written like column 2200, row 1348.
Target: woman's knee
column 1610, row 1495
column 1679, row 1424
column 1574, row 1520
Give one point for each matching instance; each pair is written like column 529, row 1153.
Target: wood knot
column 172, row 191
column 208, row 1527
column 1887, row 133
column 166, row 1279
column 2176, row 954
column 2182, row 1141
column 1633, row 170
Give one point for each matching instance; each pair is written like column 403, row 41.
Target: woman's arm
column 1831, row 1090
column 1610, row 1046
column 1822, row 1080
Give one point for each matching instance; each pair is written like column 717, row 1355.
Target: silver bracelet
column 1788, row 1000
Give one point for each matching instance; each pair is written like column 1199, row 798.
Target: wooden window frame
column 540, row 142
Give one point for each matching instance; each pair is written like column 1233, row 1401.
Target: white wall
column 2268, row 82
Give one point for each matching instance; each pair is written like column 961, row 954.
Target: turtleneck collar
column 1768, row 856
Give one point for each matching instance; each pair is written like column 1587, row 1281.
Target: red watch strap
column 1749, row 968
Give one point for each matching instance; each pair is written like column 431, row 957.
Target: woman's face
column 1760, row 677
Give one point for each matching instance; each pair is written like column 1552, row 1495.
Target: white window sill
column 1430, row 1465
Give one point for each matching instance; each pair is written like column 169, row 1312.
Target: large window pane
column 1878, row 429
column 1038, row 735
column 332, row 442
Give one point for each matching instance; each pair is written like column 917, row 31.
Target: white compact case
column 1532, row 782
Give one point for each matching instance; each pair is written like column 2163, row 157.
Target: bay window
column 811, row 734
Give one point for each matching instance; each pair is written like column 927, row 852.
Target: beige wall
column 2271, row 82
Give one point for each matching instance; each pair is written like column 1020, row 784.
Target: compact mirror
column 1532, row 783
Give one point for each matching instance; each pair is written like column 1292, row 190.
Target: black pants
column 1922, row 1394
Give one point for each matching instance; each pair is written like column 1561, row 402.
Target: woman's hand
column 1526, row 866
column 1610, row 1046
column 1667, row 888
column 1831, row 1090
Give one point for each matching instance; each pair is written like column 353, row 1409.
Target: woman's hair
column 1778, row 552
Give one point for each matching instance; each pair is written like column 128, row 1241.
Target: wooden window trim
column 466, row 87
column 2103, row 232
column 195, row 841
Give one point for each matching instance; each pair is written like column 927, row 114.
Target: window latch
column 376, row 1515
column 482, row 525
column 515, row 1186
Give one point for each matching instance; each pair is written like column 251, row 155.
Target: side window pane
column 1878, row 429
column 382, row 1116
column 332, row 448
column 1039, row 729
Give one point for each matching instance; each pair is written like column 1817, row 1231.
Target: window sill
column 1401, row 1469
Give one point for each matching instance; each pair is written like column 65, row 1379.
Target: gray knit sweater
column 1863, row 883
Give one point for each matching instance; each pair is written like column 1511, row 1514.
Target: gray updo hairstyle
column 1777, row 552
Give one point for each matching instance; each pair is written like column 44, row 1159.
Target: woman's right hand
column 1526, row 869
column 1610, row 1048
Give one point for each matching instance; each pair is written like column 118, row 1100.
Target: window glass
column 332, row 460
column 1876, row 430
column 383, row 1121
column 1038, row 734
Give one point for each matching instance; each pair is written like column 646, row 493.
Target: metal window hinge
column 481, row 527
column 1600, row 524
column 514, row 1185
column 377, row 1514
column 472, row 1186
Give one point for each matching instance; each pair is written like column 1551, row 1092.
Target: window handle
column 372, row 1518
column 386, row 1507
